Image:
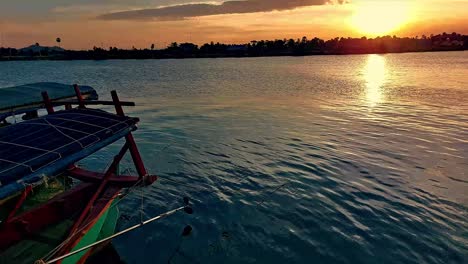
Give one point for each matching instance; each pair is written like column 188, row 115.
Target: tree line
column 278, row 47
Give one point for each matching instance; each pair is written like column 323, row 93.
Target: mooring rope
column 114, row 235
column 274, row 190
column 61, row 245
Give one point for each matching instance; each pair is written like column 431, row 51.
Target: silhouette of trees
column 278, row 47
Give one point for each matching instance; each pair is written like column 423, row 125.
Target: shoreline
column 212, row 56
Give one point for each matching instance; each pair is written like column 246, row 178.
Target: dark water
column 351, row 159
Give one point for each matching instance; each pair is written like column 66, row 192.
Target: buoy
column 187, row 230
column 188, row 210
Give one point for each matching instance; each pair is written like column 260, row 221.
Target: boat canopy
column 24, row 98
column 46, row 146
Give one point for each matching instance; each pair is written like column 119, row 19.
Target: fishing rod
column 186, row 208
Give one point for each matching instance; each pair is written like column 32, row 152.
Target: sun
column 380, row 17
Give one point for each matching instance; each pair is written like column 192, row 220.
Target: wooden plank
column 95, row 102
column 96, row 177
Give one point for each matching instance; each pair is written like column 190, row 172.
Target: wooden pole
column 47, row 102
column 79, row 96
column 137, row 160
column 20, row 202
column 114, row 235
column 103, row 184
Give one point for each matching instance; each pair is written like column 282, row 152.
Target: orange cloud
column 178, row 12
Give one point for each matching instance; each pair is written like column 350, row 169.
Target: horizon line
column 244, row 43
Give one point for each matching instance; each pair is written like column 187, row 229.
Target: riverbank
column 262, row 48
column 138, row 56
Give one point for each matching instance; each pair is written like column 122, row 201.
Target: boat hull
column 30, row 236
column 104, row 226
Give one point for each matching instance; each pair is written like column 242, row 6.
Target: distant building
column 453, row 40
column 234, row 48
column 188, row 47
column 449, row 43
column 41, row 49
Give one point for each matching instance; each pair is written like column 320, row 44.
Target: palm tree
column 37, row 45
column 58, row 40
column 152, row 46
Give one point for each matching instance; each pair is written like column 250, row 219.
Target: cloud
column 178, row 12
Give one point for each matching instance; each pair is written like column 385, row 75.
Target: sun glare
column 375, row 74
column 380, row 17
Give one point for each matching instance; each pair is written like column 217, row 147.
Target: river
column 323, row 159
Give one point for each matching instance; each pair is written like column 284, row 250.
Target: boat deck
column 49, row 144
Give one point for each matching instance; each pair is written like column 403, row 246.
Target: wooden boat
column 26, row 98
column 34, row 152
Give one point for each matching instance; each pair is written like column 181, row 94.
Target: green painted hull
column 104, row 227
column 36, row 247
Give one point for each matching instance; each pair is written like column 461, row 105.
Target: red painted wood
column 47, row 102
column 96, row 177
column 117, row 104
column 54, row 211
column 136, row 157
column 79, row 97
column 89, row 102
column 105, row 180
column 137, row 160
column 20, row 202
column 84, row 258
column 99, row 208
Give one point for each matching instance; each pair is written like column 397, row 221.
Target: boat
column 27, row 98
column 42, row 151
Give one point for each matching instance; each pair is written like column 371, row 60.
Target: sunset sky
column 83, row 24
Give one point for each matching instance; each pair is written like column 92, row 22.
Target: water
column 327, row 159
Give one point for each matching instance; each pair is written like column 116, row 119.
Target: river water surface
column 325, row 159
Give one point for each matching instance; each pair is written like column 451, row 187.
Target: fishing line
column 275, row 190
column 164, row 148
column 268, row 192
column 60, row 246
column 186, row 232
column 225, row 234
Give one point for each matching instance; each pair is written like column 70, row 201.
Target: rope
column 61, row 245
column 131, row 189
column 26, row 146
column 53, row 151
column 75, row 121
column 275, row 189
column 46, row 181
column 68, row 136
column 116, row 234
column 17, row 164
column 141, row 209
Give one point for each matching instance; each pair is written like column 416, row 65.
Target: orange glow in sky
column 140, row 23
column 380, row 17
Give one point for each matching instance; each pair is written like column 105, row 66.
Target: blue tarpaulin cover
column 47, row 145
column 29, row 96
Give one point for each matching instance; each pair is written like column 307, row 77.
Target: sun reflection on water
column 375, row 76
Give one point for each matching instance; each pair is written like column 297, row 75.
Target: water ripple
column 291, row 160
